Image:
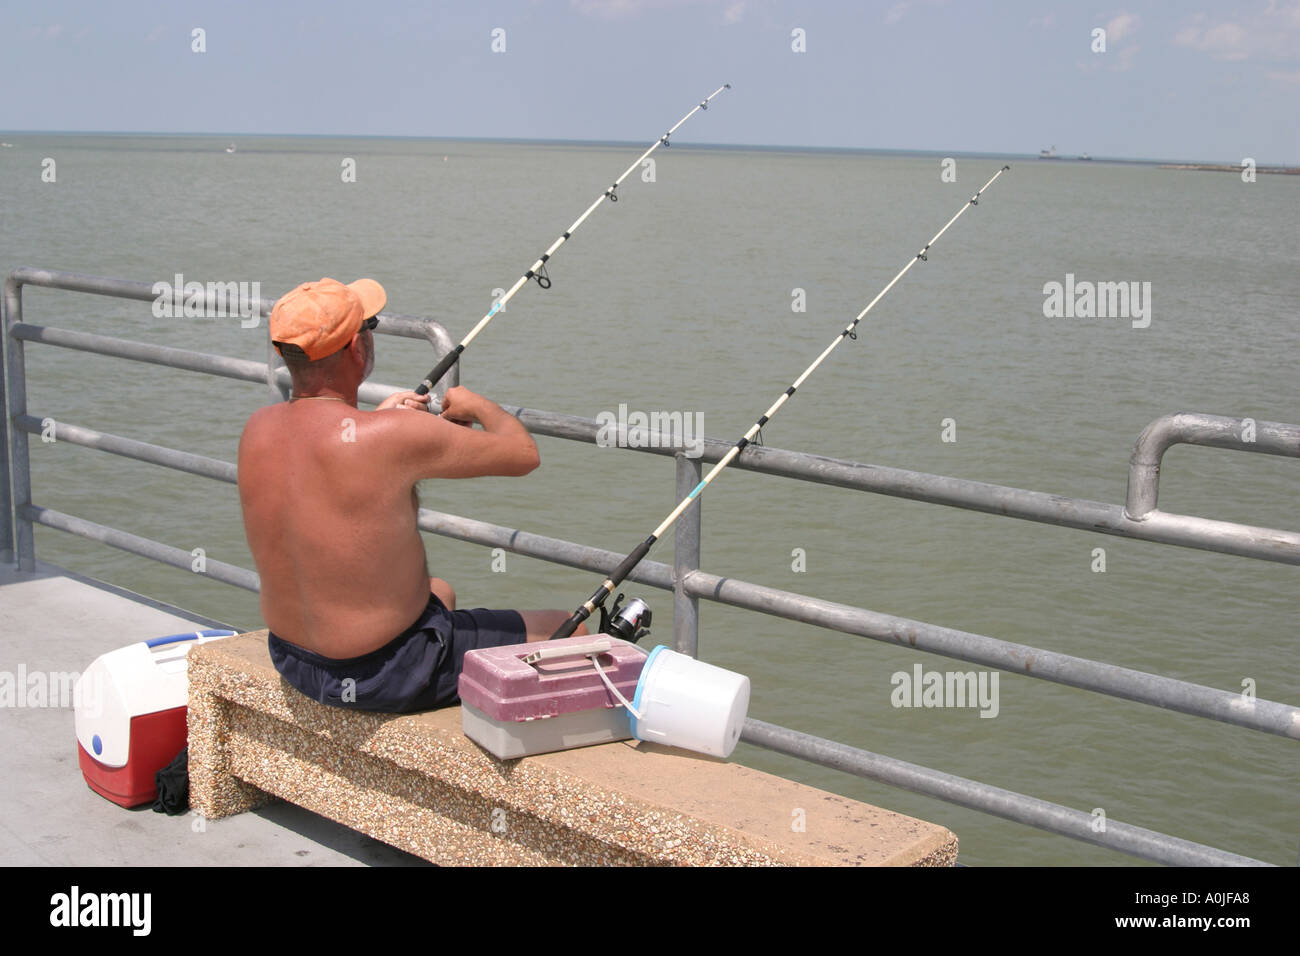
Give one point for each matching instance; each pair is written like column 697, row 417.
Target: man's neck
column 325, row 393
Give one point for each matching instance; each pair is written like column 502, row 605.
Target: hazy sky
column 1198, row 80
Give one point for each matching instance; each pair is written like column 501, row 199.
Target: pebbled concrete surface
column 417, row 782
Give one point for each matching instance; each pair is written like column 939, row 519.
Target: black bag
column 173, row 782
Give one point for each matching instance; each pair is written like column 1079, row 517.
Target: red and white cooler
column 130, row 708
column 525, row 699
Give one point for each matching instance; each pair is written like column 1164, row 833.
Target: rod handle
column 568, row 627
column 630, row 562
column 606, row 589
column 439, row 370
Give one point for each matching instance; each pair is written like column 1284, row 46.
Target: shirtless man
column 329, row 502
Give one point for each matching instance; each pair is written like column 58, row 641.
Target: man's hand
column 462, row 406
column 406, row 400
column 435, row 449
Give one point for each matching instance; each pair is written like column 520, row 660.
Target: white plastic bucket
column 687, row 703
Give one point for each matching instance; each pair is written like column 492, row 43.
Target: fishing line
column 538, row 269
column 597, row 599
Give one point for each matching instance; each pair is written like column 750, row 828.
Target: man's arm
column 448, row 446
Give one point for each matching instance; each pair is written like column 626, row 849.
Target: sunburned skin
column 332, row 532
column 329, row 500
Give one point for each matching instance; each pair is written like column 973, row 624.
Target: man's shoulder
column 263, row 424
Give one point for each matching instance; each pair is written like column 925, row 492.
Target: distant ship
column 1048, row 153
column 1085, row 156
column 7, row 145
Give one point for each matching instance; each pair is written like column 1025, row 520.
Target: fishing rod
column 597, row 600
column 538, row 269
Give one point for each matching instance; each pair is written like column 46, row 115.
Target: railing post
column 20, row 491
column 686, row 558
column 6, row 497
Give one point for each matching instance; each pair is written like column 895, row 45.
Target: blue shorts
column 417, row 670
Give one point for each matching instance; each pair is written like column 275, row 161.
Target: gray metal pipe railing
column 394, row 323
column 555, row 550
column 15, row 391
column 16, row 536
column 1110, row 679
column 145, row 547
column 273, row 371
column 244, row 370
column 131, row 448
column 1052, row 817
column 1183, row 530
column 1205, row 534
column 686, row 559
column 688, row 583
column 1102, row 678
column 7, row 521
column 1008, row 804
column 1194, row 428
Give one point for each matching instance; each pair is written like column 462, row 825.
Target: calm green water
column 679, row 298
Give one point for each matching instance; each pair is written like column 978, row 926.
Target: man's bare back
column 328, row 491
column 329, row 502
column 331, row 524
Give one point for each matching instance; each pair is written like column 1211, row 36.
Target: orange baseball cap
column 321, row 317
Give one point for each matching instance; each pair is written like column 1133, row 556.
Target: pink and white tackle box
column 525, row 699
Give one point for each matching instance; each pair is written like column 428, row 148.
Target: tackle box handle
column 599, row 646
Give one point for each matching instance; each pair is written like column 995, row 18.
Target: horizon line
column 768, row 147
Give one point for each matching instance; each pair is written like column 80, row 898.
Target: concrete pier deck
column 54, row 622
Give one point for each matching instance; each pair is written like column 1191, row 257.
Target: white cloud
column 1125, row 58
column 1291, row 78
column 1273, row 34
column 610, row 9
column 1117, row 28
column 897, row 12
column 625, row 9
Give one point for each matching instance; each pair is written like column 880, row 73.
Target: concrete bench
column 417, row 783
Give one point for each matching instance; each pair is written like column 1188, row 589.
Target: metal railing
column 1138, row 518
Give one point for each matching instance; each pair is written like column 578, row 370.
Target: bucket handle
column 612, row 689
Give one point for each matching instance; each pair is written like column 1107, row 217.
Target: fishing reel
column 631, row 623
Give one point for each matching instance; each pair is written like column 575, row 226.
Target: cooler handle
column 191, row 636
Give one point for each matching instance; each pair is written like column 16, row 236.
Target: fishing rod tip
column 726, row 86
column 1006, row 167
